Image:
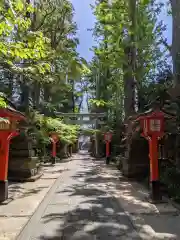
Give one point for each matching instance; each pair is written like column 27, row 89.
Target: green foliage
column 116, row 32
column 170, row 178
column 18, row 44
column 66, row 133
column 46, row 125
column 38, row 56
column 55, row 19
column 2, row 103
column 89, row 132
column 97, row 103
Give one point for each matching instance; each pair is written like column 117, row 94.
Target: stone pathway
column 24, row 198
column 85, row 200
column 80, row 207
column 151, row 221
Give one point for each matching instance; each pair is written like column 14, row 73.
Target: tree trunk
column 46, row 93
column 129, row 68
column 128, row 87
column 176, row 40
column 72, row 100
column 25, row 96
column 25, row 91
column 36, row 95
column 175, row 5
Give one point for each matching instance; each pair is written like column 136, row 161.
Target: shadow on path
column 98, row 215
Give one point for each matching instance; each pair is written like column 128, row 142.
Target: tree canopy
column 128, row 58
column 42, row 71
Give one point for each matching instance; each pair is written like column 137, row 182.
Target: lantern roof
column 150, row 111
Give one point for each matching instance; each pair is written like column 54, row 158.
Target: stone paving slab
column 133, row 196
column 80, row 208
column 165, row 227
column 92, row 201
column 24, row 200
column 152, row 221
column 10, row 226
column 27, row 199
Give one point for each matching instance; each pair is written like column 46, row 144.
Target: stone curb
column 29, row 227
column 26, row 231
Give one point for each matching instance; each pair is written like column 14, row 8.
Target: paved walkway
column 79, row 207
column 89, row 202
column 24, row 198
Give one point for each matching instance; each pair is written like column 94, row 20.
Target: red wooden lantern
column 153, row 128
column 54, row 139
column 7, row 132
column 153, row 124
column 108, row 137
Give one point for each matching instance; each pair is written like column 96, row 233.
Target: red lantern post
column 8, row 130
column 153, row 129
column 108, row 139
column 54, row 140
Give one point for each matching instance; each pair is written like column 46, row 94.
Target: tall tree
column 55, row 19
column 41, row 53
column 132, row 54
column 176, row 40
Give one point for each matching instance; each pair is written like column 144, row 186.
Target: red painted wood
column 108, row 137
column 5, row 137
column 107, row 149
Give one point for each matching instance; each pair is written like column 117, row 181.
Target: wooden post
column 54, row 139
column 107, row 138
column 5, row 138
column 154, row 169
column 54, row 149
column 107, row 149
column 107, row 152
